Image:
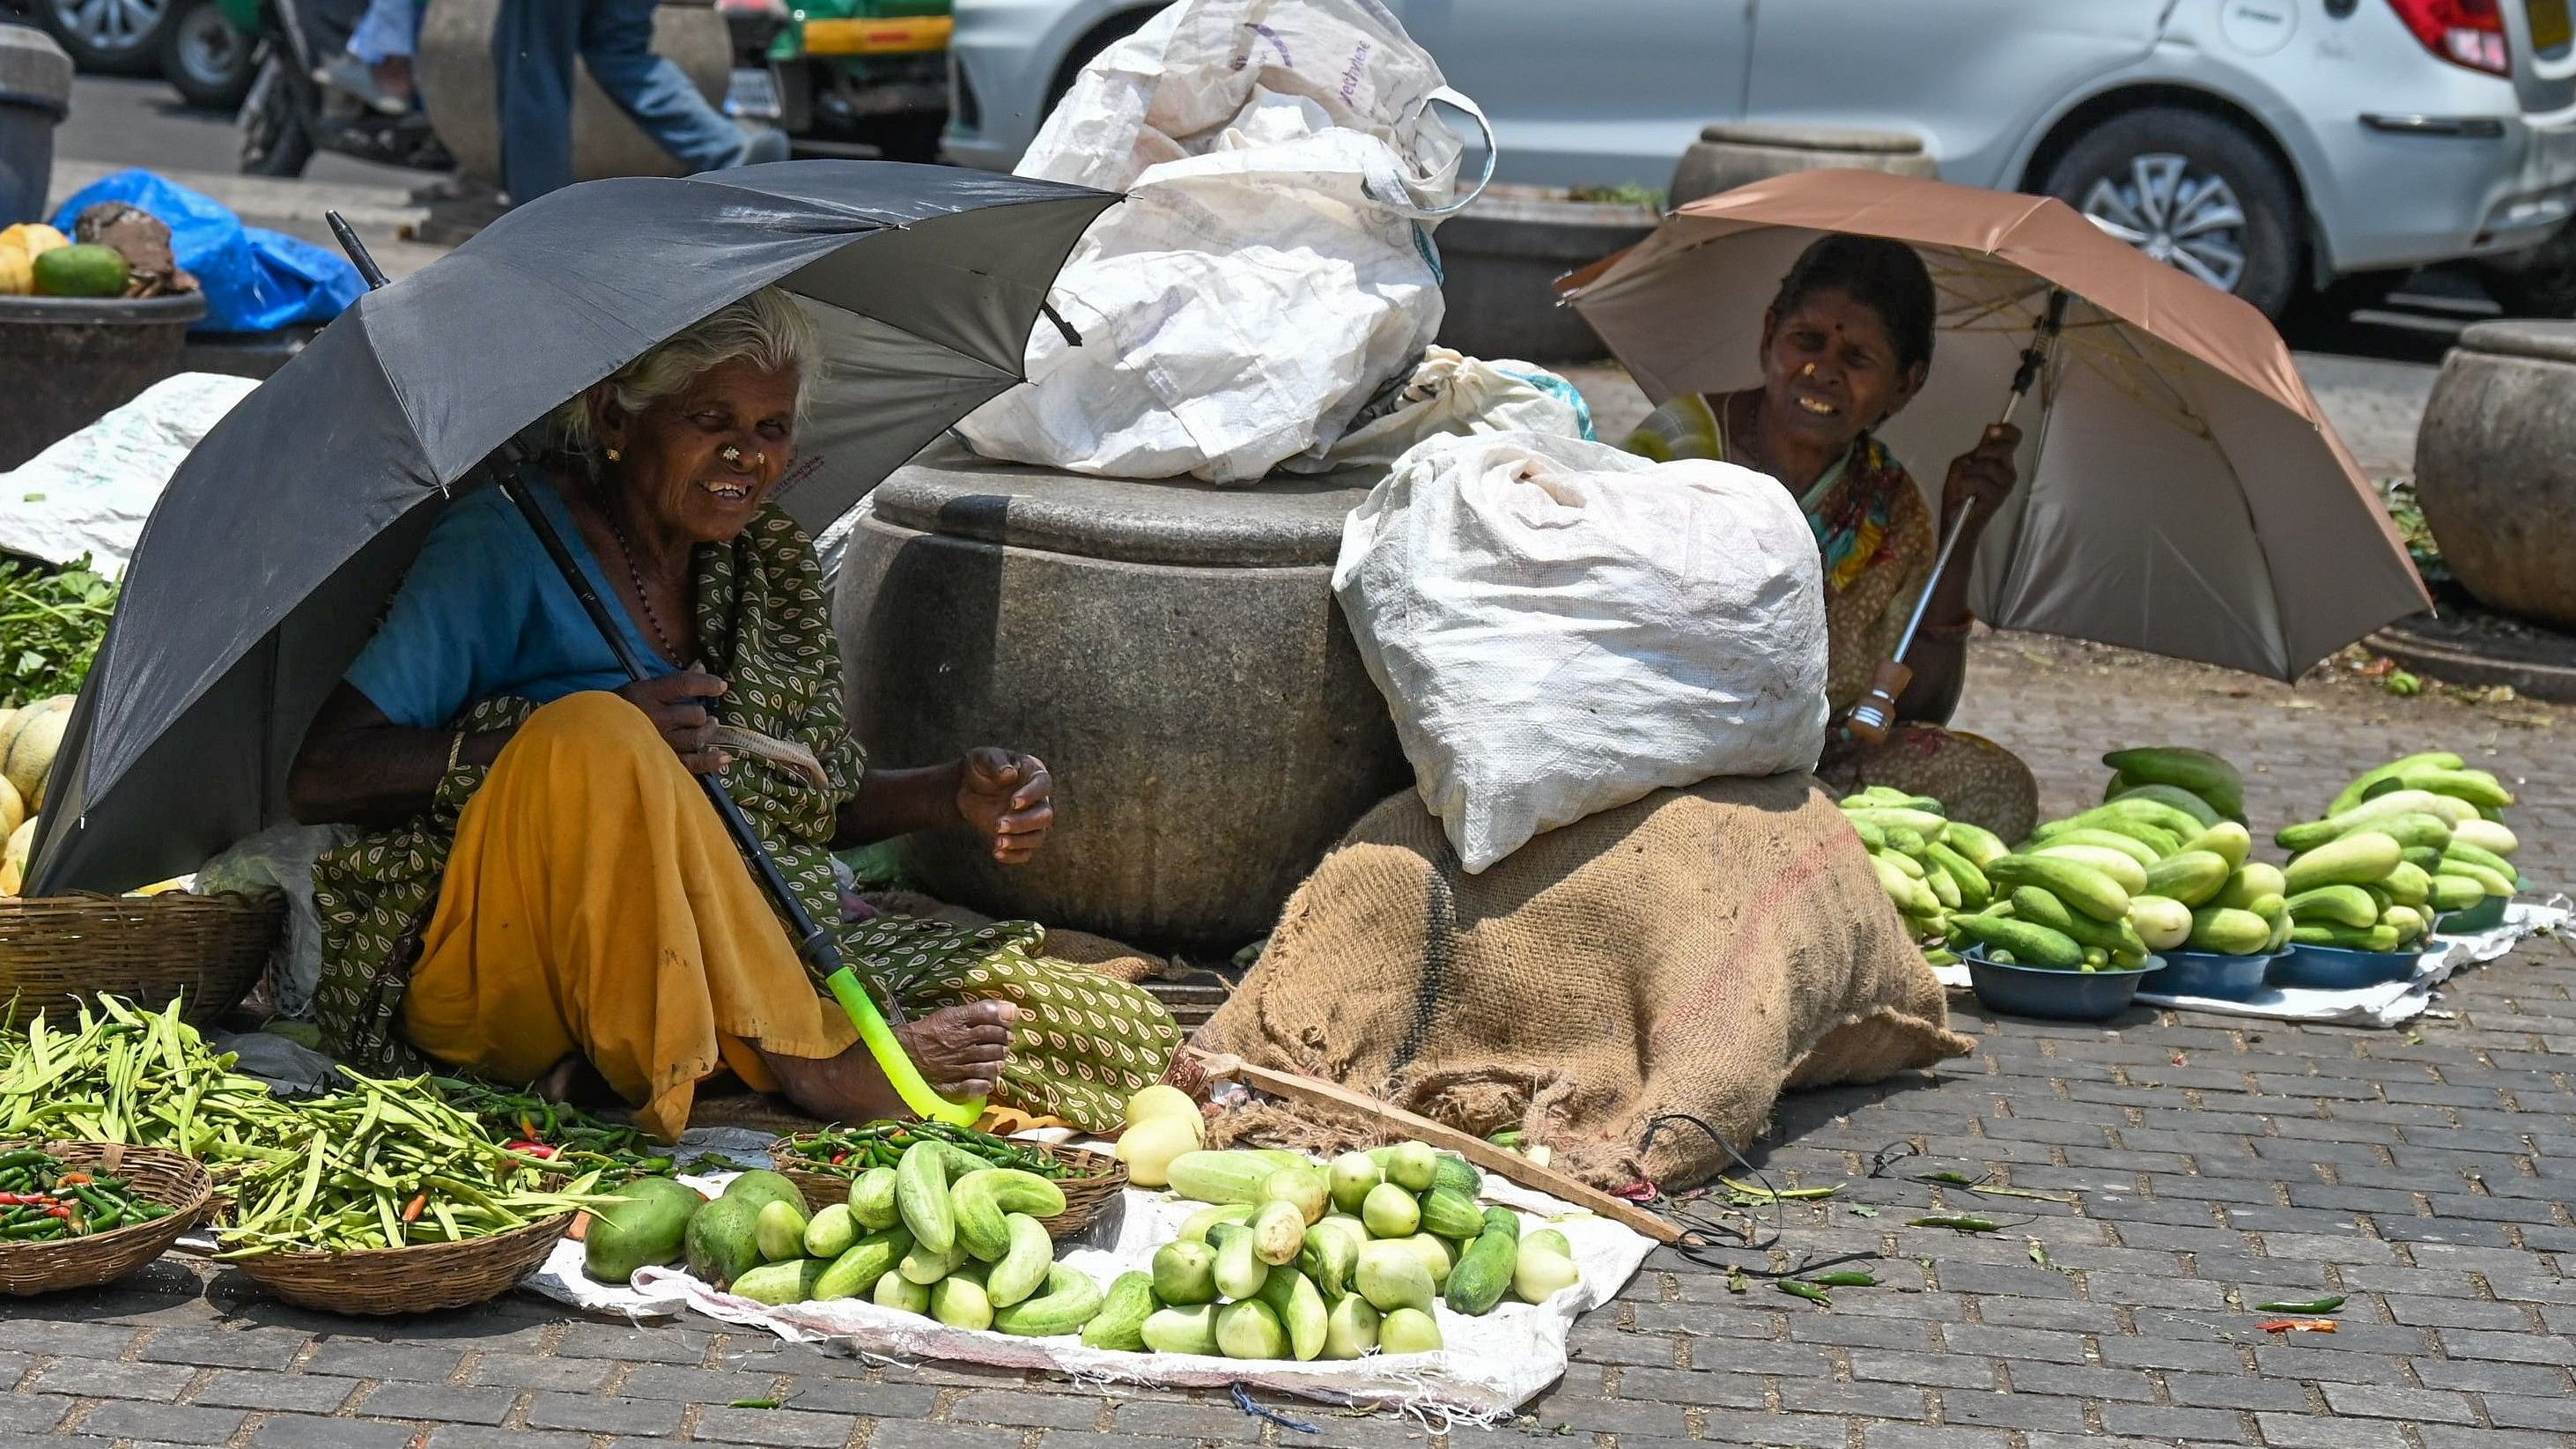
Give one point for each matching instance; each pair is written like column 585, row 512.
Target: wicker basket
column 175, row 1182
column 1099, row 1179
column 422, row 1278
column 207, row 950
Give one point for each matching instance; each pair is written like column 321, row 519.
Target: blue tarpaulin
column 254, row 280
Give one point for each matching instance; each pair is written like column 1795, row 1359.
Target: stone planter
column 65, row 362
column 1736, row 154
column 1171, row 651
column 1500, row 259
column 2495, row 467
column 454, row 66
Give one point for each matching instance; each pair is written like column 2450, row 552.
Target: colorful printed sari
column 1084, row 1042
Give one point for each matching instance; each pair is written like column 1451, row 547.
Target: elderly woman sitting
column 1846, row 344
column 545, row 892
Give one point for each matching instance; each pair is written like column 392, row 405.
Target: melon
column 13, row 860
column 13, row 811
column 27, row 750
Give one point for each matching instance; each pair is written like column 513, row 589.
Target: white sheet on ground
column 90, row 492
column 1492, row 1364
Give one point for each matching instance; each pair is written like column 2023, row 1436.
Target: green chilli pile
column 43, row 1199
column 849, row 1151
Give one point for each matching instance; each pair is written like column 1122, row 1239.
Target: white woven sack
column 1562, row 628
column 1177, row 85
column 1272, row 267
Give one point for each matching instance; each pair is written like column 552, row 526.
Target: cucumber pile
column 2402, row 846
column 1292, row 1260
column 941, row 1233
column 1929, row 864
column 2161, row 864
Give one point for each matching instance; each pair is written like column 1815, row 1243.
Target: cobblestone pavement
column 2218, row 1164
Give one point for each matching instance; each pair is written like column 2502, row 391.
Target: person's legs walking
column 533, row 45
column 617, row 46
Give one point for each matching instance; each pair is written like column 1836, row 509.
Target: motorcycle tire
column 275, row 131
column 208, row 62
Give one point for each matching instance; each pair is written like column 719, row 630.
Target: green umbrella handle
column 898, row 1067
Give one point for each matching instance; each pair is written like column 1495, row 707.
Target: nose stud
column 733, row 454
column 1808, row 371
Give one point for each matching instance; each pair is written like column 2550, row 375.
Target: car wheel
column 2192, row 190
column 108, row 35
column 205, row 59
column 2537, row 282
column 1099, row 38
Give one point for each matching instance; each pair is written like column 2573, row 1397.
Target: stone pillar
column 1499, row 262
column 1172, row 651
column 454, row 71
column 2495, row 467
column 1735, row 154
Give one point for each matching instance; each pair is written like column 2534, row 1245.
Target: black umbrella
column 269, row 557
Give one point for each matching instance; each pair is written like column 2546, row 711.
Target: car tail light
column 2463, row 32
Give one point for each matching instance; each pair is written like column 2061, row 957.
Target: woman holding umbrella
column 1846, row 344
column 543, row 893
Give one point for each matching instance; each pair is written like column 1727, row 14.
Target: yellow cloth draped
column 594, row 904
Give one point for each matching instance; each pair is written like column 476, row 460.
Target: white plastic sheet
column 90, row 492
column 1562, row 628
column 1490, row 1366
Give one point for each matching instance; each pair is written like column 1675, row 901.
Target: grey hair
column 767, row 329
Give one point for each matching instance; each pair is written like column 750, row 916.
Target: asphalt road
column 2371, row 372
column 125, row 122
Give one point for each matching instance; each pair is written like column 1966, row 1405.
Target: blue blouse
column 485, row 614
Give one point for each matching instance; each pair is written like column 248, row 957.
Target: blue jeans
column 533, row 45
column 388, row 29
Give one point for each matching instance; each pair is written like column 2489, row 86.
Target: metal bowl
column 2207, row 973
column 2340, row 968
column 2486, row 915
column 2052, row 995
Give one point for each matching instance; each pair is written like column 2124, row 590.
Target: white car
column 2263, row 145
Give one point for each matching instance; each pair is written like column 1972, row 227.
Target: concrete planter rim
column 183, row 308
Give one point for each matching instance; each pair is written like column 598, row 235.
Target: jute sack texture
column 1695, row 952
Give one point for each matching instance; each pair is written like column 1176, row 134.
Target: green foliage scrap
column 51, row 624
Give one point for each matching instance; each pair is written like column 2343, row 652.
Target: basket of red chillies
column 78, row 1214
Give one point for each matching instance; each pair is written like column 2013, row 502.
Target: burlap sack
column 1694, row 952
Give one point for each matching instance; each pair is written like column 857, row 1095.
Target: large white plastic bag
column 1191, row 73
column 1561, row 628
column 1272, row 267
column 1237, row 310
column 1450, row 392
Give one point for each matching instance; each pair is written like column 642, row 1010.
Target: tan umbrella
column 2181, row 493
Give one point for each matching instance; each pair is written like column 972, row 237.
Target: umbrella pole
column 814, row 944
column 1875, row 714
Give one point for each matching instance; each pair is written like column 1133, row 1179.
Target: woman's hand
column 1009, row 799
column 959, row 1050
column 677, row 705
column 1984, row 475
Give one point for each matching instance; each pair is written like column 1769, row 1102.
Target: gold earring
column 614, row 455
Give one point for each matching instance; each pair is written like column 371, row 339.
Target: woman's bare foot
column 959, row 1050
